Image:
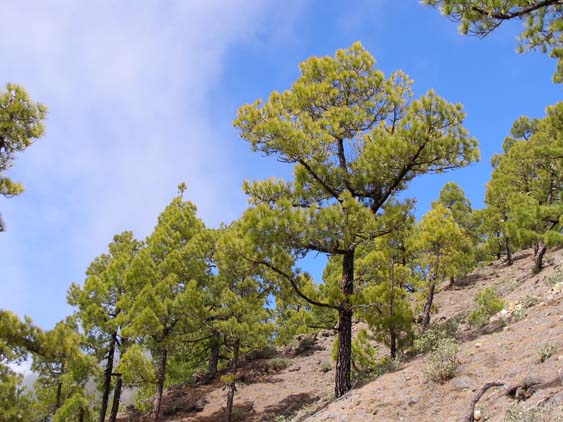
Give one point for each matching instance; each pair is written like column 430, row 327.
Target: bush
column 515, row 413
column 554, row 279
column 442, row 362
column 266, row 352
column 385, row 365
column 240, row 415
column 326, row 367
column 303, row 343
column 364, row 358
column 530, row 300
column 277, row 364
column 546, row 351
column 428, row 340
column 519, row 312
column 488, row 304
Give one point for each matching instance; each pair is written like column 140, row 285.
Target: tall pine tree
column 355, row 138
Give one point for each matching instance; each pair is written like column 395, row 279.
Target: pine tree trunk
column 107, row 377
column 213, row 355
column 428, row 307
column 157, row 399
column 392, row 333
column 59, row 396
column 509, row 260
column 344, row 354
column 452, row 282
column 232, row 388
column 538, row 258
column 393, row 342
column 116, row 398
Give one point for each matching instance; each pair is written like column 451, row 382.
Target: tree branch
column 291, row 280
column 518, row 13
column 471, row 414
column 314, row 175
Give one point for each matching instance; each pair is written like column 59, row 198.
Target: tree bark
column 509, row 259
column 213, row 355
column 538, row 258
column 107, row 378
column 344, row 355
column 116, row 398
column 232, row 387
column 59, row 396
column 428, row 307
column 452, row 282
column 393, row 342
column 157, row 399
column 392, row 333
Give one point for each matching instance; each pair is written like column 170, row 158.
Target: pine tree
column 541, row 20
column 355, row 139
column 164, row 304
column 16, row 339
column 442, row 249
column 243, row 320
column 99, row 310
column 384, row 279
column 453, row 198
column 58, row 360
column 63, row 371
column 21, row 123
column 526, row 183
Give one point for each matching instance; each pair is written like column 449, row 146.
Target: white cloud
column 126, row 84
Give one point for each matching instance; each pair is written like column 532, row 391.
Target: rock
column 294, row 369
column 477, row 414
column 411, row 401
column 477, row 345
column 199, row 405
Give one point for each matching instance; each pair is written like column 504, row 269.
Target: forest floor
column 508, row 349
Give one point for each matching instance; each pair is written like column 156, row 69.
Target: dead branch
column 477, row 397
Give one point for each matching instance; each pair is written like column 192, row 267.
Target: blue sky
column 141, row 96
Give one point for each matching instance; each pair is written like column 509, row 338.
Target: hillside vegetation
column 520, row 345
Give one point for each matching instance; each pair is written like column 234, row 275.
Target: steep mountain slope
column 508, row 349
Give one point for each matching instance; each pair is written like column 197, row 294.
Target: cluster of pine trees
column 190, row 299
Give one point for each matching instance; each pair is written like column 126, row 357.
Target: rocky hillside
column 521, row 347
